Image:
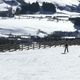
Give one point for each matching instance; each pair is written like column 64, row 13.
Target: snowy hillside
column 7, row 4
column 62, row 2
column 68, row 5
column 4, row 6
column 32, row 26
column 42, row 64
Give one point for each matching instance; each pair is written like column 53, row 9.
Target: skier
column 66, row 48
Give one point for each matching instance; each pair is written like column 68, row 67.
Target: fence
column 37, row 45
column 14, row 47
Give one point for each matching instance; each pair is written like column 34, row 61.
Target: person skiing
column 66, row 48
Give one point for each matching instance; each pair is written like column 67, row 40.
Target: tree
column 31, row 8
column 48, row 7
column 34, row 7
column 25, row 7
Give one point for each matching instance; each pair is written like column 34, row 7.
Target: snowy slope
column 4, row 7
column 32, row 26
column 68, row 5
column 61, row 2
column 43, row 64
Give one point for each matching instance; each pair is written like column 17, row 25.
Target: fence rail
column 37, row 45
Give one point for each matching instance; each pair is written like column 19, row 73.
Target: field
column 41, row 64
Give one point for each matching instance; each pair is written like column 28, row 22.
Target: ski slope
column 41, row 64
column 32, row 26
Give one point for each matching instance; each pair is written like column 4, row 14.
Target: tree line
column 31, row 8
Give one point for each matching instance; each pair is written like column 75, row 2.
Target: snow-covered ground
column 68, row 13
column 41, row 64
column 32, row 26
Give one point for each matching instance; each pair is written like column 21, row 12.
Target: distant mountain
column 60, row 2
column 8, row 6
column 68, row 5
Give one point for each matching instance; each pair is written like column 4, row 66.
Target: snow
column 41, row 64
column 1, row 35
column 61, row 2
column 4, row 7
column 32, row 25
column 42, row 35
column 68, row 13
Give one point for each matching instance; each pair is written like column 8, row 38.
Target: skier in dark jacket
column 66, row 48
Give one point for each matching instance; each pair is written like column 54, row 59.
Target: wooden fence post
column 33, row 45
column 39, row 45
column 28, row 46
column 44, row 46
